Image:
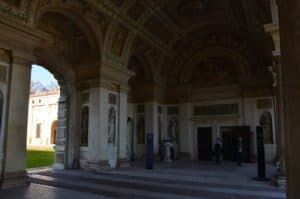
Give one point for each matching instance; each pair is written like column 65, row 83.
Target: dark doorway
column 230, row 137
column 205, row 143
column 53, row 132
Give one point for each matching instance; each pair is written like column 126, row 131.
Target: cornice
column 115, row 75
column 22, row 61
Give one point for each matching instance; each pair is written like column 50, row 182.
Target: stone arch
column 74, row 17
column 58, row 23
column 71, row 42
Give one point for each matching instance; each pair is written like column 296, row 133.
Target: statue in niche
column 112, row 126
column 172, row 130
column 159, row 129
column 119, row 41
column 274, row 75
column 266, row 123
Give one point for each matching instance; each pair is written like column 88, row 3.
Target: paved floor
column 36, row 191
column 182, row 180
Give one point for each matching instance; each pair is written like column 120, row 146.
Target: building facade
column 42, row 119
column 187, row 71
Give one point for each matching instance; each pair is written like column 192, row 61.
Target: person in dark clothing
column 240, row 151
column 218, row 151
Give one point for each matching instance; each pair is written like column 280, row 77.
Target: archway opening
column 42, row 121
column 53, row 132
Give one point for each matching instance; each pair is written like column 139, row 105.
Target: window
column 38, row 131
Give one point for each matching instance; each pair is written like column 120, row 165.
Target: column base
column 59, row 166
column 124, row 162
column 184, row 156
column 280, row 181
column 98, row 166
column 15, row 179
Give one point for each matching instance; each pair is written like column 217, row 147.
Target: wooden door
column 205, row 143
column 228, row 145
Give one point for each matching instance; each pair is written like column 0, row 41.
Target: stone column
column 289, row 21
column 5, row 85
column 15, row 143
column 123, row 133
column 280, row 134
column 98, row 119
column 273, row 30
column 151, row 126
column 62, row 128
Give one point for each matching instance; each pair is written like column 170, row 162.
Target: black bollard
column 149, row 152
column 261, row 164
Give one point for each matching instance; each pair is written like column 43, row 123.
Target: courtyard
column 39, row 157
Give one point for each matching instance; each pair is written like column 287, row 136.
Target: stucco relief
column 17, row 9
column 15, row 3
column 119, row 40
column 215, row 71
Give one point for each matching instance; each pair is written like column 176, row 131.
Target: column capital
column 18, row 60
column 4, row 56
column 124, row 89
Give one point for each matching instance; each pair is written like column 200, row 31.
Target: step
column 104, row 190
column 166, row 186
column 162, row 180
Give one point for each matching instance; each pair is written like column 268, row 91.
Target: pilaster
column 185, row 132
column 151, row 123
column 15, row 143
column 273, row 30
column 289, row 20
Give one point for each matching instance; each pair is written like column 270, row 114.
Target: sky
column 39, row 73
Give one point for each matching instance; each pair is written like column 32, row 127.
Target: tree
column 38, row 87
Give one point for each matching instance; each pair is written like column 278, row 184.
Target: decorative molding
column 22, row 61
column 17, row 14
column 273, row 30
column 219, row 118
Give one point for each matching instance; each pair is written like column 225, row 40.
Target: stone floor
column 36, row 191
column 178, row 180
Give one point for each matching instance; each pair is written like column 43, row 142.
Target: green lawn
column 39, row 158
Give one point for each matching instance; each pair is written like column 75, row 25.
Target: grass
column 39, row 158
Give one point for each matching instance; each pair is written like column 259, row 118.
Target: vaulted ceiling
column 165, row 40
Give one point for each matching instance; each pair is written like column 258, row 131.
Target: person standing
column 218, row 151
column 240, row 151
